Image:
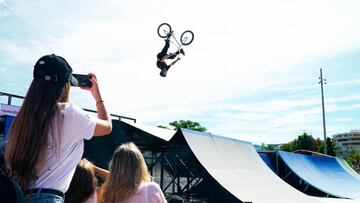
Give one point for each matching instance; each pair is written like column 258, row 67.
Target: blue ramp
column 267, row 161
column 324, row 173
column 348, row 167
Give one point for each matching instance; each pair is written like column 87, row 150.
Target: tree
column 307, row 142
column 188, row 125
column 289, row 147
column 330, row 146
column 270, row 147
column 161, row 126
column 267, row 147
column 353, row 158
column 317, row 145
column 303, row 141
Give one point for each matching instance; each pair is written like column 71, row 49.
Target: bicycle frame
column 164, row 30
column 176, row 43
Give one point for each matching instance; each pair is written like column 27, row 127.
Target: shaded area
column 267, row 161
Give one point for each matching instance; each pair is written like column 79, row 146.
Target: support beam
column 287, row 175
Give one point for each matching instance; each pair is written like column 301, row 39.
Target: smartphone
column 82, row 80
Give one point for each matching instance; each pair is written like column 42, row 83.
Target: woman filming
column 46, row 138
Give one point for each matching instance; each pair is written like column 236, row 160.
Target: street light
column 322, row 82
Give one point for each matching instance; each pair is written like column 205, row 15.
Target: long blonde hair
column 127, row 170
column 28, row 136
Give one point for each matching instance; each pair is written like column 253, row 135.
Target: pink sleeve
column 155, row 194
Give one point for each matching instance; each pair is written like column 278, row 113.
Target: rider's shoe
column 182, row 51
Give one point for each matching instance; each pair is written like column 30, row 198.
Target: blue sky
column 251, row 72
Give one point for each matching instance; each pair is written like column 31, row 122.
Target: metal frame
column 176, row 177
column 285, row 173
column 10, row 96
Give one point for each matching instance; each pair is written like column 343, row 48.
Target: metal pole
column 9, row 99
column 323, row 108
column 162, row 174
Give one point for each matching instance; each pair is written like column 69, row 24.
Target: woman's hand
column 94, row 88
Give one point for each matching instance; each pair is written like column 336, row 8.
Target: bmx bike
column 164, row 31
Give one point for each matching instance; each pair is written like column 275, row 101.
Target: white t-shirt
column 59, row 166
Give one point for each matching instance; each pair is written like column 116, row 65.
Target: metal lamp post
column 322, row 82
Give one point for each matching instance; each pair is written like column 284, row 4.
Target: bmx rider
column 163, row 55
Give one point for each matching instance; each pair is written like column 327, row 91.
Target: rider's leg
column 173, row 55
column 164, row 51
column 167, row 56
column 173, row 63
column 170, row 56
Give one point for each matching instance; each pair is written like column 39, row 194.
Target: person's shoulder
column 69, row 106
column 154, row 192
column 65, row 105
column 72, row 110
column 151, row 185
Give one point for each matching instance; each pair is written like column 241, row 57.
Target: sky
column 251, row 73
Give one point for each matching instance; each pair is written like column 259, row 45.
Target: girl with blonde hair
column 129, row 180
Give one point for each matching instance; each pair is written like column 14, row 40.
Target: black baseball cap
column 54, row 69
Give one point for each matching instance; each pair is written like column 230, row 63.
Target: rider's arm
column 171, row 64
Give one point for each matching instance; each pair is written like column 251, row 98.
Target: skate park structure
column 202, row 167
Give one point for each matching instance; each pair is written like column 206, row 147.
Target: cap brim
column 74, row 81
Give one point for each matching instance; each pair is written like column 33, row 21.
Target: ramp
column 323, row 173
column 348, row 167
column 161, row 133
column 239, row 169
column 234, row 165
column 267, row 161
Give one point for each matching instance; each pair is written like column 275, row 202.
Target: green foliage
column 188, row 125
column 270, row 147
column 318, row 143
column 330, row 146
column 161, row 126
column 289, row 147
column 303, row 141
column 267, row 147
column 307, row 142
column 353, row 158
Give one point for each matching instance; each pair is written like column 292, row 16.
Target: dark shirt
column 162, row 65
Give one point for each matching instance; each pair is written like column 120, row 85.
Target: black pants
column 165, row 50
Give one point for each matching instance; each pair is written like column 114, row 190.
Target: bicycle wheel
column 163, row 30
column 187, row 37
